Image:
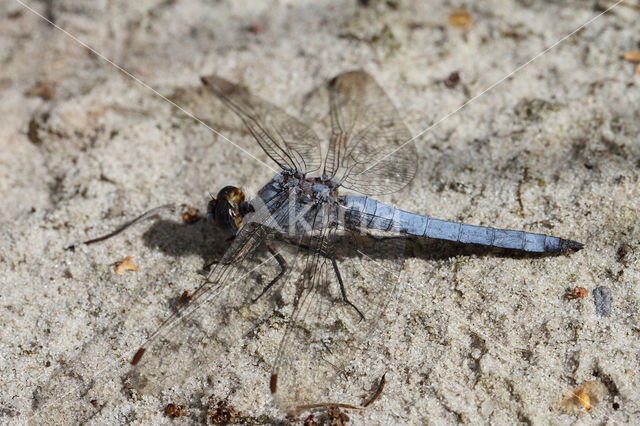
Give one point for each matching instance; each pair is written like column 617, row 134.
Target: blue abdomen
column 365, row 212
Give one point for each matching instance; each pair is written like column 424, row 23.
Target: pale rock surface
column 475, row 336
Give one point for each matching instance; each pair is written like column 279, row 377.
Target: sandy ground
column 474, row 336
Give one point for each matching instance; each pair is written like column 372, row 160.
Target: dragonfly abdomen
column 373, row 214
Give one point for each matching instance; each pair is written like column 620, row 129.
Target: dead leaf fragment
column 310, row 421
column 124, row 265
column 337, row 416
column 453, row 80
column 221, row 412
column 256, row 29
column 33, row 133
column 173, row 410
column 190, row 215
column 583, row 398
column 43, row 89
column 185, row 297
column 578, row 293
column 632, row 56
column 460, row 19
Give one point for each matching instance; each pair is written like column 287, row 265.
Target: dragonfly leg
column 208, row 265
column 283, row 269
column 342, row 290
column 306, row 246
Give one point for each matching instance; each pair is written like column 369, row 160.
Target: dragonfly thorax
column 307, row 190
column 296, row 202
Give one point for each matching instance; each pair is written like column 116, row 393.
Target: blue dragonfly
column 328, row 260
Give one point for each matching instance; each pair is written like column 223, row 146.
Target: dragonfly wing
column 195, row 336
column 369, row 151
column 329, row 352
column 84, row 383
column 288, row 141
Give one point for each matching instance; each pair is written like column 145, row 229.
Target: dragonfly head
column 228, row 209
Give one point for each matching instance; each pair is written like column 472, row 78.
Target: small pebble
column 602, row 299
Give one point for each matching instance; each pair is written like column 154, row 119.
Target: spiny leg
column 307, row 246
column 283, row 269
column 342, row 290
column 337, row 271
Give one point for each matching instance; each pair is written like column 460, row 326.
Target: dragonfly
column 316, row 243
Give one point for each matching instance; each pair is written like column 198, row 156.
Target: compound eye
column 226, row 209
column 224, row 216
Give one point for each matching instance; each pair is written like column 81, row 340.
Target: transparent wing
column 288, row 141
column 330, row 353
column 190, row 343
column 196, row 336
column 367, row 152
